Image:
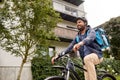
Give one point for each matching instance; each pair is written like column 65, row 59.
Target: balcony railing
column 65, row 33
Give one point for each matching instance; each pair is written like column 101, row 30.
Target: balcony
column 68, row 17
column 67, row 12
column 65, row 34
column 75, row 2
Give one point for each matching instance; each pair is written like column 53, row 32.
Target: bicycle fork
column 68, row 74
column 68, row 67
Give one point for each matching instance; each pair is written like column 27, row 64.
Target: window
column 51, row 51
column 73, row 11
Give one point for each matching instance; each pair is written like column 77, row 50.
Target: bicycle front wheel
column 108, row 77
column 55, row 78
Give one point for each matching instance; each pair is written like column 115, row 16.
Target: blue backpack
column 101, row 38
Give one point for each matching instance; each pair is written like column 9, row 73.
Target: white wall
column 59, row 46
column 9, row 67
column 6, row 59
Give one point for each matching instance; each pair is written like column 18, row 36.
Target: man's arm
column 70, row 47
column 88, row 40
column 91, row 35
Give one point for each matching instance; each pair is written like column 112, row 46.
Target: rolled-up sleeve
column 91, row 35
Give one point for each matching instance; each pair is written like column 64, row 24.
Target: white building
column 69, row 11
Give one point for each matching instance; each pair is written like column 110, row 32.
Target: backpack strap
column 98, row 37
column 77, row 39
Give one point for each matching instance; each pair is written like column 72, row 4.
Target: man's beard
column 81, row 28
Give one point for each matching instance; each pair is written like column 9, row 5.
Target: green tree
column 113, row 29
column 25, row 24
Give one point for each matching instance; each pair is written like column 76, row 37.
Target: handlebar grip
column 59, row 56
column 62, row 54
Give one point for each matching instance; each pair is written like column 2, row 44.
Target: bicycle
column 69, row 73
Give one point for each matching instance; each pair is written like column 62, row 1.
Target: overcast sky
column 100, row 11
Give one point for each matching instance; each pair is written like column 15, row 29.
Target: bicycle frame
column 69, row 67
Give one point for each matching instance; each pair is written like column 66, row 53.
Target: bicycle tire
column 55, row 78
column 108, row 77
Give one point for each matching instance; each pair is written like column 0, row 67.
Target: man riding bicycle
column 89, row 50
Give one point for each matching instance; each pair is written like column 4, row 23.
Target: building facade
column 66, row 30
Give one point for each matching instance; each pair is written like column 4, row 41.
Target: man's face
column 80, row 25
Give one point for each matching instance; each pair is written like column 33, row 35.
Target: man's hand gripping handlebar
column 55, row 58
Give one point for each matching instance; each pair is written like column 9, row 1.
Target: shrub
column 41, row 68
column 110, row 65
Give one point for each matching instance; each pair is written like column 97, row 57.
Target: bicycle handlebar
column 63, row 54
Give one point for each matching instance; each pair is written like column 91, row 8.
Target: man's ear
column 85, row 23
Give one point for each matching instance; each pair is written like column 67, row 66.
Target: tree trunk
column 21, row 68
